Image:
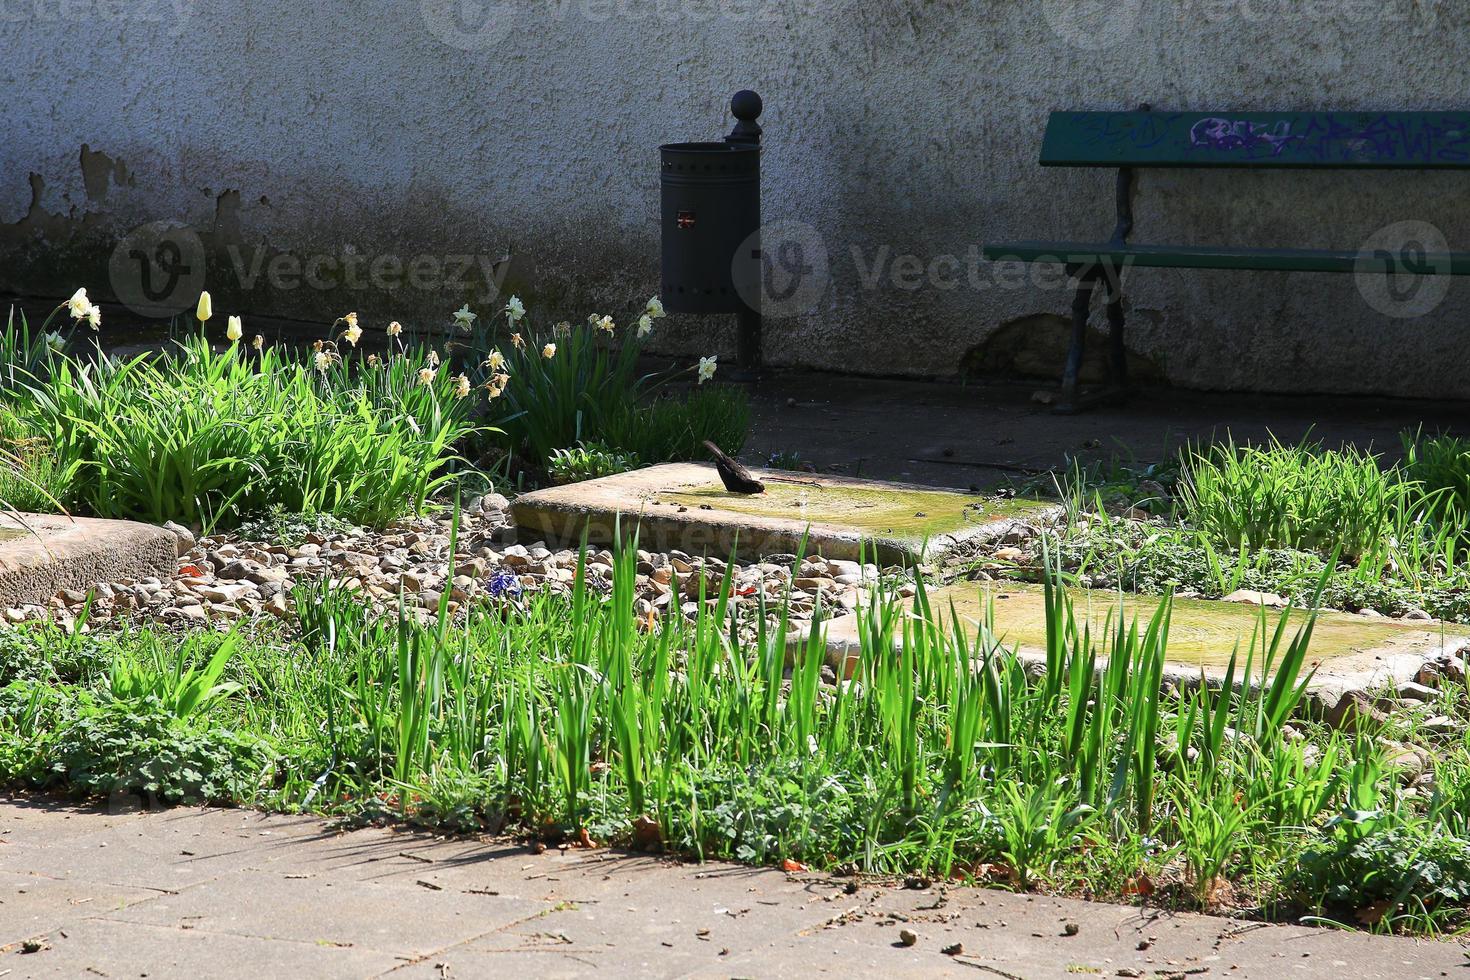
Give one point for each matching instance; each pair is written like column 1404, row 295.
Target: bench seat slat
column 1303, row 140
column 1229, row 257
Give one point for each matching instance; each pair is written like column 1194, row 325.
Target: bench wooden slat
column 1230, row 257
column 1309, row 140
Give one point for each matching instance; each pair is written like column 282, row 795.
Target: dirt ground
column 983, row 435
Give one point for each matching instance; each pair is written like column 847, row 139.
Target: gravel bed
column 225, row 578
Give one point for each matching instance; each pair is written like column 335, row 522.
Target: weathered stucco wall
column 386, row 156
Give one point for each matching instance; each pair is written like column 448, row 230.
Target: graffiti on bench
column 1216, row 133
column 1405, row 139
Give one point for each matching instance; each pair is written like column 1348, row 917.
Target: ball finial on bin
column 746, row 106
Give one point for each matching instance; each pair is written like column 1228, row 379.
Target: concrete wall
column 323, row 153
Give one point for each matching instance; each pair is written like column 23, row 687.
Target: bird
column 736, row 478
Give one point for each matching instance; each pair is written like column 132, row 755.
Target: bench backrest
column 1359, row 140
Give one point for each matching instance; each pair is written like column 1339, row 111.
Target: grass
column 212, row 435
column 1279, row 496
column 206, row 437
column 554, row 716
column 591, row 390
column 1274, row 518
column 32, row 479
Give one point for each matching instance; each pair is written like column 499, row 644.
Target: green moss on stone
column 1201, row 632
column 910, row 515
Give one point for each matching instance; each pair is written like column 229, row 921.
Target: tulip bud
column 234, row 331
column 205, row 310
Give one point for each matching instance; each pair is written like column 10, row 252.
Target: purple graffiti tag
column 1216, row 133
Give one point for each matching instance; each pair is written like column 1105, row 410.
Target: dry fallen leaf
column 647, row 835
column 1140, row 885
column 1371, row 913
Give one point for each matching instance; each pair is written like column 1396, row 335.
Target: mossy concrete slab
column 1348, row 652
column 42, row 554
column 684, row 506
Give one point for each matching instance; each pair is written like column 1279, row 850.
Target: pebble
column 223, row 578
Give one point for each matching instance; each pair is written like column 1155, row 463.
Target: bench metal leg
column 1081, row 307
column 1119, row 359
column 1088, row 279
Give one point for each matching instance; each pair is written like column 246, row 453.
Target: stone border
column 1341, row 677
column 595, row 507
column 54, row 553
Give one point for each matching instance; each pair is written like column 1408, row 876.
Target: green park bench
column 1277, row 140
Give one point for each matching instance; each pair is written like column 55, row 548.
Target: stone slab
column 1348, row 652
column 683, row 506
column 422, row 906
column 42, row 554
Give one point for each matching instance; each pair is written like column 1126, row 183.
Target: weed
column 589, row 461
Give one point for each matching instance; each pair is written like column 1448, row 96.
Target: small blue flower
column 503, row 582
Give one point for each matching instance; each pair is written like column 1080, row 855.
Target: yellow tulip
column 205, row 310
column 235, row 330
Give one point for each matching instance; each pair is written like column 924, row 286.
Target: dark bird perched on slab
column 736, row 478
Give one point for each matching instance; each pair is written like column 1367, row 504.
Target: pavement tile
column 640, row 916
column 285, row 896
column 108, row 948
column 32, row 905
column 1027, row 936
column 26, row 818
column 405, row 916
column 169, row 850
column 548, row 964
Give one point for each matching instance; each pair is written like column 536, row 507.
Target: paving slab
column 684, row 506
column 382, row 902
column 1347, row 652
column 655, row 917
column 32, row 905
column 42, row 554
column 335, row 907
column 99, row 947
column 1026, row 936
column 166, row 851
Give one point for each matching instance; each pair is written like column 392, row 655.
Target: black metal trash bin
column 711, row 218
